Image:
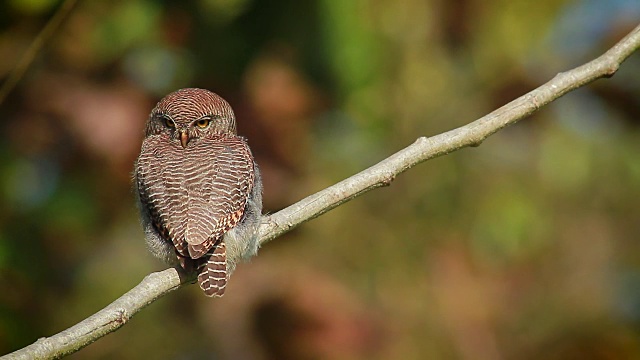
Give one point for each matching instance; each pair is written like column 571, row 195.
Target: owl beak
column 184, row 139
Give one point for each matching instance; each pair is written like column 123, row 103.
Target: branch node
column 422, row 139
column 611, row 70
column 387, row 179
column 476, row 143
column 122, row 317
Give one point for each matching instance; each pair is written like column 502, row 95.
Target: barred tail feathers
column 213, row 274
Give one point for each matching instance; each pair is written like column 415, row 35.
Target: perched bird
column 198, row 187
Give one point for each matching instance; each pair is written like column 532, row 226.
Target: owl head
column 189, row 114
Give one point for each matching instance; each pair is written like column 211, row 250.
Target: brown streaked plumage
column 199, row 189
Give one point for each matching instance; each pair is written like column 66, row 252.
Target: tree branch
column 160, row 283
column 472, row 134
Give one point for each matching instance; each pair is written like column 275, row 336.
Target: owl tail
column 213, row 276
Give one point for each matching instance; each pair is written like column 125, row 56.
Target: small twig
column 158, row 284
column 52, row 25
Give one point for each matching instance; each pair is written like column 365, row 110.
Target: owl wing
column 196, row 194
column 217, row 196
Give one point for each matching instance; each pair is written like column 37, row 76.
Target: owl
column 198, row 187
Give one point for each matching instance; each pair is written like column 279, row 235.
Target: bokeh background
column 524, row 248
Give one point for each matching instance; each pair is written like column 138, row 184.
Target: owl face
column 189, row 114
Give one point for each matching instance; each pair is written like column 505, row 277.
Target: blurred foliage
column 526, row 247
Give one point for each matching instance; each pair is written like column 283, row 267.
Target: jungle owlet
column 198, row 187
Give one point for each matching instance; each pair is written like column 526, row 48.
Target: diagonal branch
column 160, row 283
column 47, row 32
column 472, row 134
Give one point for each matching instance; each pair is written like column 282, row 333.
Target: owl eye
column 203, row 123
column 168, row 122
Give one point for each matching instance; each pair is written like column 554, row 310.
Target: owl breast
column 195, row 194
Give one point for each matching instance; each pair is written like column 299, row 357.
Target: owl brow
column 163, row 116
column 211, row 117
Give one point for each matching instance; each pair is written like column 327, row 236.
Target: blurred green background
column 524, row 248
